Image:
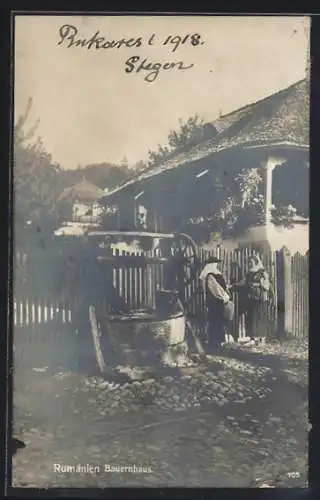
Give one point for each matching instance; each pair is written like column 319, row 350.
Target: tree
column 35, row 174
column 124, row 162
column 188, row 135
column 139, row 167
column 104, row 175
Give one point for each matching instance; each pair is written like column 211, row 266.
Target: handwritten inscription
column 69, row 37
column 177, row 41
column 133, row 64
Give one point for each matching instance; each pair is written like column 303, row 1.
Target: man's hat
column 213, row 260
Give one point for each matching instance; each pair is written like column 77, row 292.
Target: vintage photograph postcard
column 161, row 238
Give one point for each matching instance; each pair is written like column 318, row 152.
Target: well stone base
column 145, row 343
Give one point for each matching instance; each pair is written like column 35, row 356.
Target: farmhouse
column 82, row 200
column 271, row 135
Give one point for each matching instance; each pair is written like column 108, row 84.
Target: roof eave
column 262, row 146
column 278, row 145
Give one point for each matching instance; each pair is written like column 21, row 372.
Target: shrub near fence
column 39, row 298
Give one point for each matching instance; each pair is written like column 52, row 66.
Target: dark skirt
column 216, row 326
column 257, row 321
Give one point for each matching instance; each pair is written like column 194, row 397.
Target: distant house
column 82, row 200
column 272, row 133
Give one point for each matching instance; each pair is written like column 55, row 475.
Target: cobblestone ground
column 234, row 420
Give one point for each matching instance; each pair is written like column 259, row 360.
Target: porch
column 191, row 199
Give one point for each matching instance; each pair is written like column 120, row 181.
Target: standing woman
column 219, row 306
column 257, row 288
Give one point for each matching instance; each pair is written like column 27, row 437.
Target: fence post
column 306, row 297
column 284, row 292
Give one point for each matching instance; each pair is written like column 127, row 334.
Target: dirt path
column 237, row 420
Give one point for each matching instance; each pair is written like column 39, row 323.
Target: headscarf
column 209, row 268
column 257, row 264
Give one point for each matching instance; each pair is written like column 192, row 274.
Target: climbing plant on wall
column 241, row 207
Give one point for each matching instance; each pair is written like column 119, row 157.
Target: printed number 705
column 293, row 475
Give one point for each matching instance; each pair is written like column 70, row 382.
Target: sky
column 92, row 111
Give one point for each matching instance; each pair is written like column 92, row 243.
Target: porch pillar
column 268, row 166
column 262, row 234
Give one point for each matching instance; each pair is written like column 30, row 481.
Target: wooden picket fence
column 28, row 312
column 299, row 287
column 136, row 278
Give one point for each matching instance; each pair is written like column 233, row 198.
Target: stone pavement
column 238, row 419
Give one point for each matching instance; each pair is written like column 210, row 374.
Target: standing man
column 220, row 308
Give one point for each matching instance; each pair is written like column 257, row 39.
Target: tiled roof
column 83, row 191
column 281, row 119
